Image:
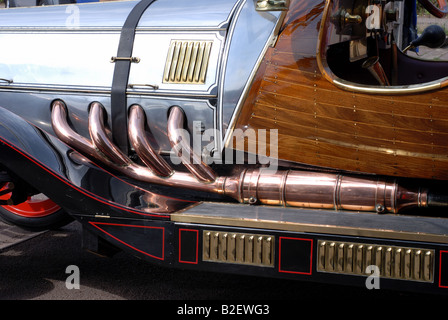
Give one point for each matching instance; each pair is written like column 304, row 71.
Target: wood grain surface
column 322, row 125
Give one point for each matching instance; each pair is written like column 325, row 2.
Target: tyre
column 37, row 213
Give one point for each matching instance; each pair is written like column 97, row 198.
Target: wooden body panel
column 322, row 125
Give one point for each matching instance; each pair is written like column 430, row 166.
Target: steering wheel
column 437, row 8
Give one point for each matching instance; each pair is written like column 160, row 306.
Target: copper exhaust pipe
column 100, row 138
column 281, row 188
column 125, row 166
column 102, row 141
column 317, row 190
column 181, row 145
column 65, row 133
column 144, row 150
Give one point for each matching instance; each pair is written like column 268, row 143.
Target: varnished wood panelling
column 351, row 138
column 417, row 105
column 351, row 159
column 322, row 118
column 393, row 116
column 320, row 124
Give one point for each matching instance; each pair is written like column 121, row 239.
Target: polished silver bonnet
column 112, row 15
column 70, row 48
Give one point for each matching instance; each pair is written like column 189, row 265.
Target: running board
column 395, row 227
column 406, row 252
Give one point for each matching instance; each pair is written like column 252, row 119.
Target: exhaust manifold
column 253, row 186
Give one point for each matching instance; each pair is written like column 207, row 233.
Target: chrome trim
column 223, row 69
column 166, row 29
column 50, row 89
column 40, row 30
column 133, row 90
column 269, row 41
column 229, row 131
column 64, row 30
column 393, row 90
column 152, row 91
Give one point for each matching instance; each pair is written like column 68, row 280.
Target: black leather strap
column 121, row 76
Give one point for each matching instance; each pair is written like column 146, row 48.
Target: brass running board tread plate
column 410, row 228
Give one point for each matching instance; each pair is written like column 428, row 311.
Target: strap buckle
column 131, row 59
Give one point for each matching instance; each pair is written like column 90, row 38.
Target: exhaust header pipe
column 102, row 149
column 253, row 186
column 144, row 150
column 181, row 146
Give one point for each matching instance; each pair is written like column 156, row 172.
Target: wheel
column 37, row 213
column 437, row 8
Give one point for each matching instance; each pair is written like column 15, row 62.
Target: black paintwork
column 68, row 178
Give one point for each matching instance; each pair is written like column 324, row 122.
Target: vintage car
column 300, row 139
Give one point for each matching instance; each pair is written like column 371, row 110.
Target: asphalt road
column 35, row 269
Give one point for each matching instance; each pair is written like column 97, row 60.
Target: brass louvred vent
column 187, row 62
column 402, row 263
column 239, row 248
